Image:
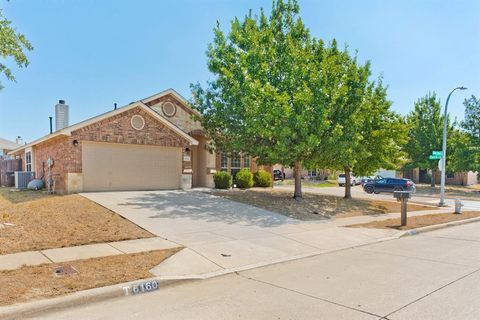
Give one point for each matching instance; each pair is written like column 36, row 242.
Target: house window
column 223, row 161
column 246, row 162
column 28, row 161
column 235, row 164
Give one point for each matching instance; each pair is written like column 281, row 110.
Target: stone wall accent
column 183, row 118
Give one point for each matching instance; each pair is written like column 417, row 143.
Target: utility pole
column 444, row 149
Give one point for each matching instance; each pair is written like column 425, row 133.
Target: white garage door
column 114, row 166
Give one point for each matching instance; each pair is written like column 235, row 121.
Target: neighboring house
column 319, row 174
column 6, row 146
column 150, row 144
column 457, row 178
column 384, row 173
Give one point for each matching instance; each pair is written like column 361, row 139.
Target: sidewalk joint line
column 123, row 252
column 43, row 254
column 311, row 296
column 428, row 294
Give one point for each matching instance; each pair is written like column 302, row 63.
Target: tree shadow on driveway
column 195, row 205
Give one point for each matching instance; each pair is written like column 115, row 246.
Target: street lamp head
column 462, row 88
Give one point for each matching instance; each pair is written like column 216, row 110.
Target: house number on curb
column 143, row 287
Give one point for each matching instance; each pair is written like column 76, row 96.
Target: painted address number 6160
column 142, row 287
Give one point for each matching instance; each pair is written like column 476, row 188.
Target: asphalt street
column 434, row 275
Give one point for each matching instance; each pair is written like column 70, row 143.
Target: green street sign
column 435, row 157
column 437, row 153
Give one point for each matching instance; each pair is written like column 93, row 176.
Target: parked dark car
column 389, row 185
column 365, row 180
column 278, row 175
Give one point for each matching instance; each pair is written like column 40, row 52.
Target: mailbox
column 402, row 195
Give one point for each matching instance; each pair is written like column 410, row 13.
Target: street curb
column 84, row 297
column 414, row 232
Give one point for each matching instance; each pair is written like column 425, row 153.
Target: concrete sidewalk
column 433, row 276
column 57, row 255
column 224, row 236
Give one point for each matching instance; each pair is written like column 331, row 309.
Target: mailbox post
column 403, row 196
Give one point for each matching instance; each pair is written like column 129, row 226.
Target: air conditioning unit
column 22, row 178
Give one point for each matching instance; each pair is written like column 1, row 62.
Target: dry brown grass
column 418, row 221
column 33, row 282
column 51, row 221
column 461, row 192
column 314, row 206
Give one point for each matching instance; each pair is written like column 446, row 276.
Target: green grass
column 309, row 183
column 18, row 196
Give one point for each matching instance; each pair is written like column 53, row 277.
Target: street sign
column 435, row 157
column 437, row 153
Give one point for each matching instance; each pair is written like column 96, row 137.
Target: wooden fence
column 7, row 169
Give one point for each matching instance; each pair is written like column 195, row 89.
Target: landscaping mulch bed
column 418, row 221
column 35, row 220
column 33, row 282
column 314, row 206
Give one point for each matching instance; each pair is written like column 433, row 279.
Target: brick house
column 150, row 144
column 452, row 178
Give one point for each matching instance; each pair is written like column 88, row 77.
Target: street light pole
column 444, row 149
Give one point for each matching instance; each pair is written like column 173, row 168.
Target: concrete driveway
column 223, row 236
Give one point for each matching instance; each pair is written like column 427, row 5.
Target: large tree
column 464, row 146
column 267, row 98
column 13, row 45
column 363, row 134
column 462, row 153
column 471, row 122
column 277, row 90
column 425, row 124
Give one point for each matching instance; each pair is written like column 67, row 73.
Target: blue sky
column 94, row 53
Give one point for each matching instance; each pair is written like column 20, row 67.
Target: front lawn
column 34, row 282
column 461, row 192
column 34, row 220
column 309, row 183
column 418, row 221
column 314, row 206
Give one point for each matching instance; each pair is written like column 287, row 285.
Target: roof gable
column 7, row 144
column 68, row 130
column 183, row 102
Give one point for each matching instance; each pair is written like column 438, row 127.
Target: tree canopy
column 464, row 149
column 471, row 122
column 12, row 46
column 364, row 134
column 283, row 96
column 425, row 124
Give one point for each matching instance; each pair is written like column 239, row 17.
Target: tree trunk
column 348, row 187
column 432, row 181
column 297, row 173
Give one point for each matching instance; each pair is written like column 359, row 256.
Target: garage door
column 113, row 166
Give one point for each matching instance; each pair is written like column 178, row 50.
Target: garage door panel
column 112, row 166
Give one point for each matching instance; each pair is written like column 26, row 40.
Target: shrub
column 222, row 180
column 244, row 179
column 263, row 179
